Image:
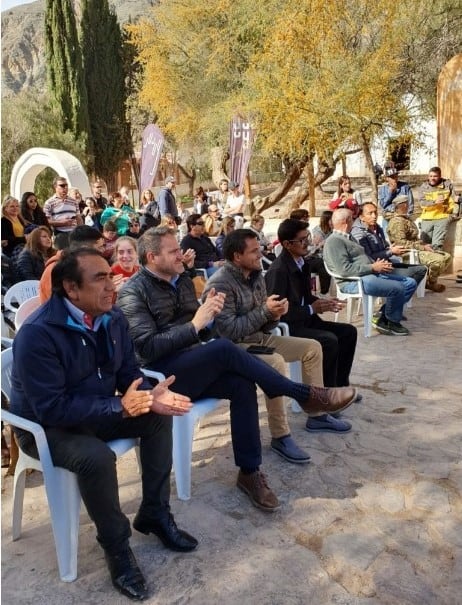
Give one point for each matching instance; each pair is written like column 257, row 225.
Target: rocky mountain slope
column 23, row 44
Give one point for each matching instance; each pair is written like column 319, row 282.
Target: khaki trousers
column 437, row 263
column 287, row 349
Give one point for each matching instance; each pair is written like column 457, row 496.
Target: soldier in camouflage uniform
column 402, row 231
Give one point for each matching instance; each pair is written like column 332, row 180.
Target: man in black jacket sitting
column 289, row 276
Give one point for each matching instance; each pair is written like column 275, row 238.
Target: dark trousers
column 222, row 369
column 316, row 265
column 338, row 341
column 83, row 451
column 417, row 272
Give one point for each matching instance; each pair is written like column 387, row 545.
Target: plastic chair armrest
column 152, row 374
column 36, row 430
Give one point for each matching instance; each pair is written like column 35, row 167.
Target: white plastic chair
column 25, row 309
column 414, row 260
column 19, row 293
column 295, row 367
column 367, row 301
column 7, row 342
column 183, row 436
column 60, row 484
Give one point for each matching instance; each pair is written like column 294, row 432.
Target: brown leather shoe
column 258, row 490
column 325, row 400
column 435, row 287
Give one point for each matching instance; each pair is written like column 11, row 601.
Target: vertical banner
column 153, row 141
column 241, row 139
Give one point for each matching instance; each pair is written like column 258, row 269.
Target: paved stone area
column 375, row 519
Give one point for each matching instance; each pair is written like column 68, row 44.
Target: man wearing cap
column 390, row 190
column 167, row 201
column 402, row 231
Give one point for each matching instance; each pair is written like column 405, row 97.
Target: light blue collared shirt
column 77, row 315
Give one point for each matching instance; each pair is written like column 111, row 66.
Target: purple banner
column 241, row 139
column 153, row 141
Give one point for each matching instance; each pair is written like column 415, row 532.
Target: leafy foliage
column 103, row 61
column 64, row 67
column 30, row 119
column 316, row 75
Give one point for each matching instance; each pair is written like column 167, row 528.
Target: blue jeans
column 397, row 289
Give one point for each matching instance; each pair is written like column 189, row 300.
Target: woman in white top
column 235, row 204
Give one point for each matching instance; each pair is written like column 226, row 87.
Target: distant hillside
column 23, row 44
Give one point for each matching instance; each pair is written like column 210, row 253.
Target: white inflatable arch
column 36, row 159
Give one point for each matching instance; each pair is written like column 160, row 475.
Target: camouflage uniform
column 404, row 232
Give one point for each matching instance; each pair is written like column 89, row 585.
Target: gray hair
column 151, row 241
column 340, row 216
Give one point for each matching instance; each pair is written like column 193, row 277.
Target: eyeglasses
column 62, row 185
column 302, row 240
column 200, row 223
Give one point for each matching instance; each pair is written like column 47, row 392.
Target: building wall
column 449, row 116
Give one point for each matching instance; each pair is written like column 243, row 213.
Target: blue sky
column 7, row 4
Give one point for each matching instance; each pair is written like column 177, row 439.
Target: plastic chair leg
column 295, row 373
column 183, row 434
column 23, row 464
column 64, row 502
column 349, row 309
column 420, row 292
column 368, row 309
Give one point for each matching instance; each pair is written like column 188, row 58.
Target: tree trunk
column 219, row 157
column 247, row 186
column 258, row 204
column 326, row 169
column 190, row 176
column 370, row 165
column 311, row 186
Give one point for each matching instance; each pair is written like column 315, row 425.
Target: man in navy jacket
column 76, row 374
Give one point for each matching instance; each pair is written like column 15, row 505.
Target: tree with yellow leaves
column 318, row 77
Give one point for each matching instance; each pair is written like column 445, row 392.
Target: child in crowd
column 110, row 237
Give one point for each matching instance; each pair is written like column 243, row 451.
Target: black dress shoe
column 167, row 531
column 126, row 576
